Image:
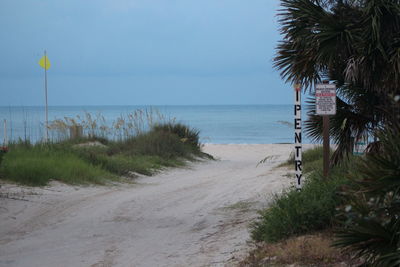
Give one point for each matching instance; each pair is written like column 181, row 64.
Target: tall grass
column 311, row 209
column 188, row 136
column 95, row 157
column 96, row 125
column 37, row 165
column 125, row 162
column 311, row 158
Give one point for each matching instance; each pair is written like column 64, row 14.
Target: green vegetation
column 36, row 165
column 355, row 45
column 359, row 201
column 369, row 220
column 97, row 160
column 312, row 160
column 188, row 136
column 311, row 209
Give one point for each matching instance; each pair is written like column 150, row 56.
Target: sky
column 140, row 52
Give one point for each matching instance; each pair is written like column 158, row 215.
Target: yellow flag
column 44, row 62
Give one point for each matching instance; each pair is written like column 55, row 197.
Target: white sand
column 197, row 216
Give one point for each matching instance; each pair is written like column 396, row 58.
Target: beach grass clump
column 125, row 164
column 155, row 143
column 163, row 140
column 94, row 159
column 97, row 126
column 38, row 164
column 167, row 141
column 294, row 212
column 187, row 135
column 311, row 209
column 312, row 159
column 147, row 152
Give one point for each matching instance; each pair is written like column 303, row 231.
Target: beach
column 198, row 215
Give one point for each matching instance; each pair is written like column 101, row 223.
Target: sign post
column 297, row 136
column 325, row 105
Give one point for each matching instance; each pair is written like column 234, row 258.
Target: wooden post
column 326, row 145
column 325, row 105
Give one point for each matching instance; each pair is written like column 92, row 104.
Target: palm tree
column 356, row 45
column 353, row 43
column 370, row 225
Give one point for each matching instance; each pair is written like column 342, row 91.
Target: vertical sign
column 297, row 135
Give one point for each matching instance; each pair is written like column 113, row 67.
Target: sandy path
column 197, row 216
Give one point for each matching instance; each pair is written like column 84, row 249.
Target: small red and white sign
column 325, row 99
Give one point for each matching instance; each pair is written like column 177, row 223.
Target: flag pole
column 5, row 142
column 45, row 93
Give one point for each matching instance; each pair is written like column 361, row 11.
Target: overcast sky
column 136, row 52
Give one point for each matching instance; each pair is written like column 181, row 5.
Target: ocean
column 219, row 124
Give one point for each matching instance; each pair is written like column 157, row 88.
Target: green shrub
column 300, row 212
column 37, row 165
column 370, row 218
column 153, row 143
column 159, row 143
column 184, row 132
column 76, row 161
column 169, row 140
column 313, row 208
column 126, row 161
column 311, row 158
column 125, row 164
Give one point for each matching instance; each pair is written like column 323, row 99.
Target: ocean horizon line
column 145, row 105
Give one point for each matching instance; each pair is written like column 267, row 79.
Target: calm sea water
column 237, row 124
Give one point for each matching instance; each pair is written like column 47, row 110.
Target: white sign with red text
column 325, row 99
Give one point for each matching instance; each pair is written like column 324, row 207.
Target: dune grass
column 313, row 208
column 37, row 165
column 125, row 164
column 97, row 160
column 311, row 158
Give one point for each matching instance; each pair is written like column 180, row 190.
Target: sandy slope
column 197, row 216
